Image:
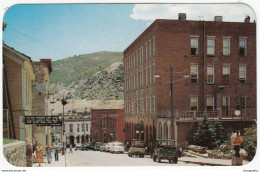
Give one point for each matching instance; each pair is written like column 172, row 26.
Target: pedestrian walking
column 39, row 156
column 56, row 154
column 48, row 150
column 71, row 148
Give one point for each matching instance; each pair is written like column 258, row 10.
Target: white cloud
column 230, row 12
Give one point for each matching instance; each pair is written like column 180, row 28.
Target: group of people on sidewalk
column 38, row 153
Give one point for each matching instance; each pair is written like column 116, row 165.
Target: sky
column 60, row 31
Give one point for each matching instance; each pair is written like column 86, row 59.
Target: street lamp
column 63, row 102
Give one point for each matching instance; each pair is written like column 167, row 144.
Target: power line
column 30, row 37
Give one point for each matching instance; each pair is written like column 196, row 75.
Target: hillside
column 97, row 76
column 72, row 69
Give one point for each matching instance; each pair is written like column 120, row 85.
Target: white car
column 78, row 146
column 118, row 147
column 109, row 146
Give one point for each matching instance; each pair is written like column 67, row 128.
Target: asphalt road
column 96, row 158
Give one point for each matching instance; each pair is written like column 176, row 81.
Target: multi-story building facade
column 18, row 81
column 41, row 100
column 107, row 125
column 77, row 131
column 178, row 69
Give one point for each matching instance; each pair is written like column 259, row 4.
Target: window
column 226, row 46
column 71, row 127
column 153, row 45
column 210, row 74
column 211, row 46
column 146, row 77
column 150, row 78
column 136, row 56
column 243, row 102
column 242, row 47
column 146, row 51
column 210, row 103
column 154, row 104
column 82, row 127
column 150, row 105
column 77, row 127
column 226, row 106
column 134, row 60
column 193, row 103
column 150, row 48
column 86, row 127
column 137, row 84
column 242, row 74
column 194, row 73
column 194, row 46
column 226, row 74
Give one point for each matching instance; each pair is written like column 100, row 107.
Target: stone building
column 18, row 80
column 178, row 69
column 41, row 100
column 77, row 131
column 107, row 125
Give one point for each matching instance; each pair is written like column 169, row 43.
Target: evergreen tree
column 221, row 135
column 205, row 135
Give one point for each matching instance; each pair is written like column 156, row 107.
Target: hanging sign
column 43, row 120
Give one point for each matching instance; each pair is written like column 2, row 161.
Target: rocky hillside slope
column 97, row 76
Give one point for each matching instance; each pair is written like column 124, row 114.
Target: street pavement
column 97, row 159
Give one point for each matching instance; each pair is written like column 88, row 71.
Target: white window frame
column 228, row 66
column 194, row 38
column 245, row 73
column 194, row 65
column 209, row 47
column 245, row 46
column 153, row 45
column 213, row 70
column 150, row 48
column 197, row 100
column 228, row 47
column 146, row 50
column 213, row 101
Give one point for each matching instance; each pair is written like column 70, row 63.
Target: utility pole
column 172, row 111
column 63, row 102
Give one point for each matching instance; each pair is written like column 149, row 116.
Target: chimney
column 182, row 16
column 247, row 19
column 218, row 18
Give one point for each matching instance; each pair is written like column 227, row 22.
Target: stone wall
column 15, row 153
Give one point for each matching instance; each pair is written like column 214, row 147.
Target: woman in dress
column 39, row 156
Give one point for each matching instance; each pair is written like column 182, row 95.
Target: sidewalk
column 209, row 161
column 60, row 163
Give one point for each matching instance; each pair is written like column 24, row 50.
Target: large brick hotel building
column 178, row 69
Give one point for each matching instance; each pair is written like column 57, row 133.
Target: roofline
column 157, row 20
column 23, row 56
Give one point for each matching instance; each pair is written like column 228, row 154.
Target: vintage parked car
column 97, row 146
column 117, row 147
column 109, row 147
column 137, row 148
column 166, row 150
column 78, row 146
column 103, row 147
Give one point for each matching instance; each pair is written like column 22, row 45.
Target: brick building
column 41, row 100
column 18, row 80
column 107, row 125
column 178, row 69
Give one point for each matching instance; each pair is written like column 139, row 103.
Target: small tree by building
column 250, row 141
column 221, row 134
column 205, row 135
